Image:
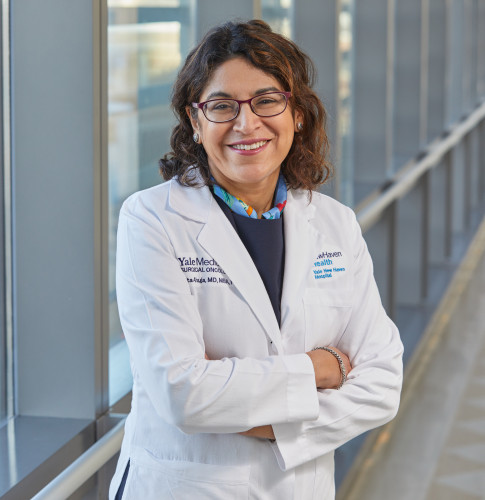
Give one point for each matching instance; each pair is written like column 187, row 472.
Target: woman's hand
column 262, row 432
column 327, row 368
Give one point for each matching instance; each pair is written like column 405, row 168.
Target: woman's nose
column 246, row 120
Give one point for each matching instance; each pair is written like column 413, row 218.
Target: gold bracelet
column 343, row 371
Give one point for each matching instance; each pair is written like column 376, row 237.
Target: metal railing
column 95, row 457
column 452, row 156
column 436, row 151
column 84, row 467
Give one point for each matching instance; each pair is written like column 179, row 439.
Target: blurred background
column 85, row 117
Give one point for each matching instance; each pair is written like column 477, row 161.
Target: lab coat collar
column 220, row 240
column 192, row 203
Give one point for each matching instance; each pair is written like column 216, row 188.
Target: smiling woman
column 257, row 337
column 275, row 64
column 246, row 151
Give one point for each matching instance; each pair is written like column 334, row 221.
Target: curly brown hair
column 306, row 165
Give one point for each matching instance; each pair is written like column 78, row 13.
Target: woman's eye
column 220, row 106
column 264, row 102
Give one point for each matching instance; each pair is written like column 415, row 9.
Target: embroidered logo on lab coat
column 200, row 270
column 329, row 263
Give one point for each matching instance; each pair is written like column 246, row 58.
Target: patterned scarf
column 240, row 207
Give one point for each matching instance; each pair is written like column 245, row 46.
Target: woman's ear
column 298, row 120
column 193, row 120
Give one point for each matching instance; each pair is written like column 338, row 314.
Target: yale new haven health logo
column 328, row 264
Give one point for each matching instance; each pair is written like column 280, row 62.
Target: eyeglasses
column 225, row 110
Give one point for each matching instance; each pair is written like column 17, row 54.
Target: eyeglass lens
column 221, row 110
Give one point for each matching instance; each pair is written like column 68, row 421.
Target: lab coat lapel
column 302, row 242
column 220, row 241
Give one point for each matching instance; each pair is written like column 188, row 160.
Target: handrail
column 369, row 215
column 84, row 467
column 66, row 483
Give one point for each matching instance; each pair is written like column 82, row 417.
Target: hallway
column 435, row 448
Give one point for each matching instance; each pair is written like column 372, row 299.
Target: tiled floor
column 435, row 449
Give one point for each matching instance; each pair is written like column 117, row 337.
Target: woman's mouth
column 249, row 147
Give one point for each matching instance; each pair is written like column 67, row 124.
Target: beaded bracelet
column 343, row 371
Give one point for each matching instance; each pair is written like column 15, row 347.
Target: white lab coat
column 187, row 286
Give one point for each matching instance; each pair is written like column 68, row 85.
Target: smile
column 249, row 147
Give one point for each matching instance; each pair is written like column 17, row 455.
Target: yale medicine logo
column 202, row 270
column 327, row 265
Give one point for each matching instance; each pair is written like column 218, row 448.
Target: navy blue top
column 264, row 240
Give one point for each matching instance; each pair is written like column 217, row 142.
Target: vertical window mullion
column 7, row 351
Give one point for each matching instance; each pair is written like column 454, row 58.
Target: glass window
column 371, row 95
column 277, row 13
column 147, row 41
column 345, row 102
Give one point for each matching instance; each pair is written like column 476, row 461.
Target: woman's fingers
column 262, row 432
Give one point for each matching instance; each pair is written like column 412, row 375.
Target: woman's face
column 240, row 169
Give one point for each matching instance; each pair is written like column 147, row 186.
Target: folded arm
column 328, row 375
column 370, row 397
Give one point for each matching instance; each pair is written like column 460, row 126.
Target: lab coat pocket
column 327, row 313
column 155, row 478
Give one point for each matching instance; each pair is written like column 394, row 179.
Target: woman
column 247, row 300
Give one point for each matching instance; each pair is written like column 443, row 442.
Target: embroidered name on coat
column 328, row 264
column 202, row 270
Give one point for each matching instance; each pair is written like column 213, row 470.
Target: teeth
column 248, row 147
